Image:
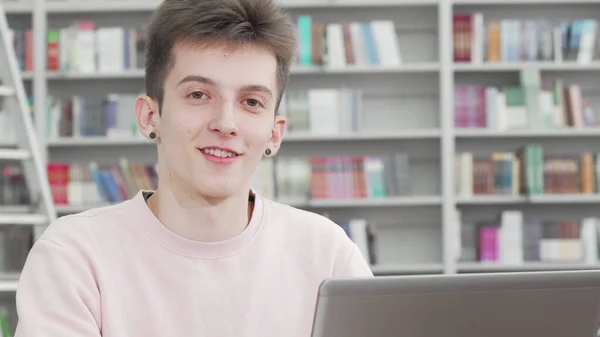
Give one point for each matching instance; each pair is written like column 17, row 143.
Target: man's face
column 218, row 117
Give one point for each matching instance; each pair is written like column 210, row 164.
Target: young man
column 202, row 255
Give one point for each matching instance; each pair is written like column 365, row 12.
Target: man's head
column 215, row 73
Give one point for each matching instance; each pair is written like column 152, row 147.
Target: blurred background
column 444, row 136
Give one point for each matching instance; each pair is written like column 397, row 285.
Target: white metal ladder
column 27, row 150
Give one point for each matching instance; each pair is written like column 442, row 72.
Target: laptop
column 524, row 304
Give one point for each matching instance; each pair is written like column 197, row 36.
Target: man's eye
column 197, row 95
column 252, row 102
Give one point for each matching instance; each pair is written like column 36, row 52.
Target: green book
column 4, row 328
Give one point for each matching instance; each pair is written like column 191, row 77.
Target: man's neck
column 195, row 218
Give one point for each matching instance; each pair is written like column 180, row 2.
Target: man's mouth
column 219, row 152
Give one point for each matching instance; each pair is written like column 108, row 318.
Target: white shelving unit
column 407, row 109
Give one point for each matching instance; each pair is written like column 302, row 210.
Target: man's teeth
column 219, row 153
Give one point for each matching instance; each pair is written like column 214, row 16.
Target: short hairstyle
column 196, row 22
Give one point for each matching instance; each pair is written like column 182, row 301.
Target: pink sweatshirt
column 118, row 272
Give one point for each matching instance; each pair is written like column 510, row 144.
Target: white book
column 466, row 174
column 502, row 117
column 75, row 186
column 86, row 48
column 132, row 36
column 546, row 105
column 358, row 231
column 324, row 111
column 589, row 238
column 386, row 42
column 491, row 107
column 587, row 41
column 66, row 45
column 125, row 117
column 110, row 43
column 511, row 238
column 557, row 42
column 478, row 40
column 336, row 55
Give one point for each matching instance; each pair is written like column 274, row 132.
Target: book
column 531, row 40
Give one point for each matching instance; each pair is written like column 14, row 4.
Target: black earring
column 268, row 152
column 152, row 135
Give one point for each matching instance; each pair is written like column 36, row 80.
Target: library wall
column 473, row 126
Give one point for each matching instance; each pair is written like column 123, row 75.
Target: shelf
column 355, row 3
column 534, row 199
column 404, row 134
column 296, row 70
column 375, row 202
column 318, row 203
column 565, row 199
column 8, row 285
column 127, row 74
column 289, row 137
column 97, row 141
column 22, row 219
column 15, row 209
column 72, row 209
column 528, row 266
column 434, row 268
column 14, row 154
column 17, row 7
column 9, row 282
column 490, row 199
column 7, row 144
column 6, row 90
column 403, row 68
column 404, row 201
column 557, row 133
column 524, row 2
column 518, row 66
column 139, row 6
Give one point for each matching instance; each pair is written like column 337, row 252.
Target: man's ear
column 277, row 134
column 146, row 113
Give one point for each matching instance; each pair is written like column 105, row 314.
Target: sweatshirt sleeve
column 356, row 266
column 57, row 294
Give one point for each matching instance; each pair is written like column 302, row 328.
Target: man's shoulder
column 89, row 225
column 302, row 221
column 301, row 231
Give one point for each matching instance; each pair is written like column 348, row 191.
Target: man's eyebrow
column 256, row 87
column 206, row 80
column 197, row 78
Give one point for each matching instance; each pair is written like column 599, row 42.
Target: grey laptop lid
column 537, row 304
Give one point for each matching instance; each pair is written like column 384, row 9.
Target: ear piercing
column 152, row 135
column 268, row 152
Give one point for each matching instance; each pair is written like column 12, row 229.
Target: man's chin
column 217, row 191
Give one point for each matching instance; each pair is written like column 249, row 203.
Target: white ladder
column 27, row 151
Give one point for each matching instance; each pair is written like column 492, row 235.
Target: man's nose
column 224, row 119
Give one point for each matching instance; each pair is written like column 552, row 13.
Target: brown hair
column 260, row 22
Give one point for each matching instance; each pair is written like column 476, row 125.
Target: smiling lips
column 219, row 155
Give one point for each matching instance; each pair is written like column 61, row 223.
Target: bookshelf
column 406, row 108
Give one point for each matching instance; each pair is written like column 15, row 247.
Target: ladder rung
column 6, row 91
column 23, row 219
column 8, row 285
column 14, row 154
